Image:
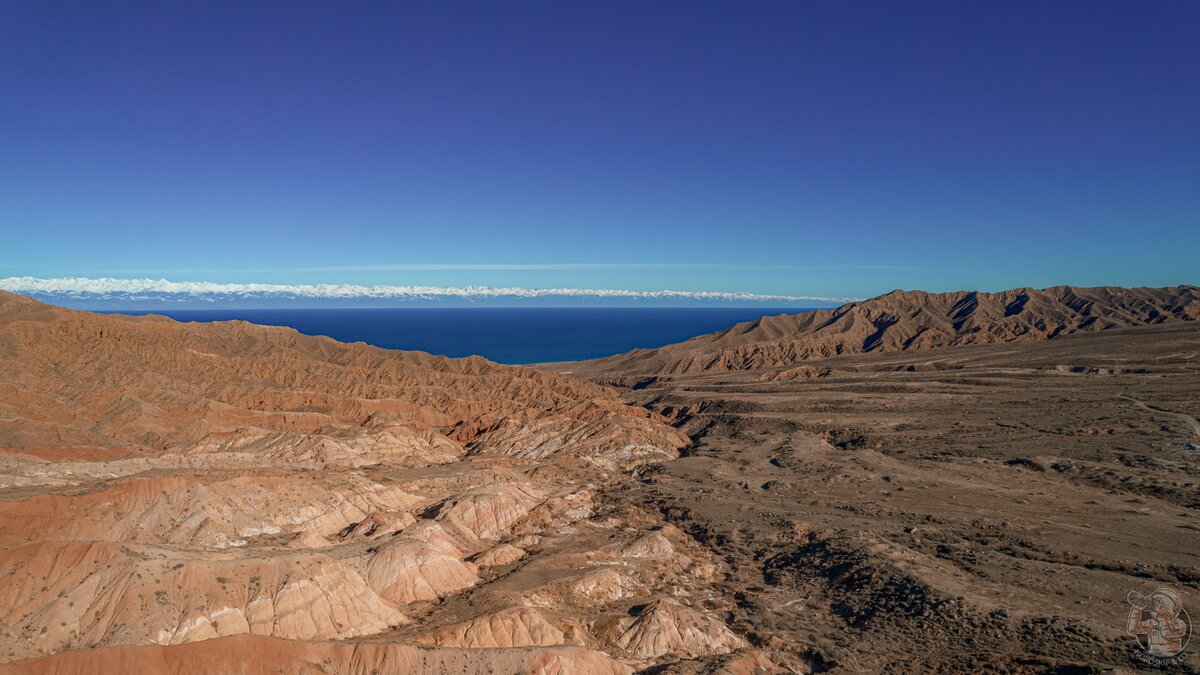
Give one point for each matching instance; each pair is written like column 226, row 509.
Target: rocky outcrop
column 604, row 585
column 517, row 627
column 653, row 545
column 666, row 627
column 497, row 556
column 488, row 511
column 378, row 524
column 410, row 571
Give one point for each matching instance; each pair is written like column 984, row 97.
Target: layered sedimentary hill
column 185, row 497
column 904, row 320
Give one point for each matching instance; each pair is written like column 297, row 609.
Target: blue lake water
column 506, row 335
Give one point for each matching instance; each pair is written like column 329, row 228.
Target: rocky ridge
column 904, row 321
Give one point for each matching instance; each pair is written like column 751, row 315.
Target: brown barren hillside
column 195, row 499
column 148, row 383
column 206, row 498
column 904, row 320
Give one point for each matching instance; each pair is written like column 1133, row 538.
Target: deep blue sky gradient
column 827, row 148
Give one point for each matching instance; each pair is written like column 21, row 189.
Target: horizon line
column 488, row 266
column 108, row 286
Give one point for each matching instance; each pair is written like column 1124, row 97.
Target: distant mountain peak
column 905, row 320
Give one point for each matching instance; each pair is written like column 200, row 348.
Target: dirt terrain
column 961, row 509
column 208, row 498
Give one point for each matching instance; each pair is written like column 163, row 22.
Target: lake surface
column 506, row 335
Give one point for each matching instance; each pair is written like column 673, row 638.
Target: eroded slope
column 183, row 497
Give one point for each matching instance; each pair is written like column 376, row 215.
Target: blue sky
column 814, row 148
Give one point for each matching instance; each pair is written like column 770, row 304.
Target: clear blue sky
column 829, row 148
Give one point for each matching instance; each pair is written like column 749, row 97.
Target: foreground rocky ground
column 179, row 498
column 963, row 509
